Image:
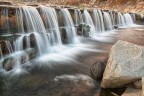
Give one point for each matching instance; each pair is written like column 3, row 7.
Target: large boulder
column 125, row 65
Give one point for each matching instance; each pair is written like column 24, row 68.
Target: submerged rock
column 76, row 85
column 125, row 65
column 8, row 63
column 78, row 79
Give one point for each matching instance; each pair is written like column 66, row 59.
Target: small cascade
column 9, row 47
column 107, row 21
column 19, row 43
column 78, row 17
column 128, row 19
column 51, row 24
column 69, row 26
column 98, row 20
column 34, row 24
column 88, row 20
column 20, row 22
column 120, row 20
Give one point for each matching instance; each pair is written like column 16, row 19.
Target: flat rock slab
column 125, row 65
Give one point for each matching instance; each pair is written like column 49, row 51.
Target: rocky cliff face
column 135, row 6
column 119, row 5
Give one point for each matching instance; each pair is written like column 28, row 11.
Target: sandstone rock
column 138, row 84
column 98, row 68
column 132, row 92
column 125, row 65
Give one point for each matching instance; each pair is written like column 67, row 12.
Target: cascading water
column 38, row 29
column 20, row 21
column 128, row 19
column 69, row 26
column 88, row 20
column 120, row 20
column 98, row 20
column 5, row 21
column 51, row 23
column 35, row 25
column 107, row 21
column 9, row 47
column 78, row 17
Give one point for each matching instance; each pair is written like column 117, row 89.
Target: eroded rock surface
column 125, row 65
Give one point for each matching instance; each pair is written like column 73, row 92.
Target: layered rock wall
column 119, row 5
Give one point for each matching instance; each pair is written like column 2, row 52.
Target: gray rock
column 125, row 65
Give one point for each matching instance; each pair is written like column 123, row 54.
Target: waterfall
column 41, row 29
column 9, row 47
column 19, row 16
column 78, row 17
column 51, row 23
column 128, row 19
column 5, row 21
column 34, row 24
column 69, row 26
column 88, row 20
column 120, row 20
column 98, row 20
column 107, row 21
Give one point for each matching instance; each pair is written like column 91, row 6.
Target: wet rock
column 31, row 53
column 83, row 30
column 64, row 35
column 77, row 85
column 124, row 66
column 33, row 41
column 24, row 58
column 138, row 84
column 132, row 92
column 8, row 63
column 20, row 58
column 115, row 27
column 98, row 68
